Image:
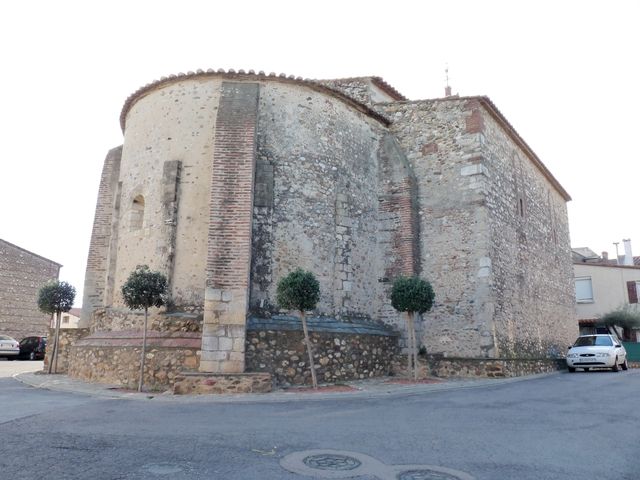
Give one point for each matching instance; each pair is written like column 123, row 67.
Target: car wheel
column 571, row 369
column 616, row 367
column 32, row 356
column 625, row 365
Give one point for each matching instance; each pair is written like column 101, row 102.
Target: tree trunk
column 307, row 341
column 415, row 346
column 53, row 361
column 409, row 344
column 144, row 350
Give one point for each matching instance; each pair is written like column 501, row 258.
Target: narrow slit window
column 137, row 213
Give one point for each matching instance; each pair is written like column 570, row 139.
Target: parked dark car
column 32, row 348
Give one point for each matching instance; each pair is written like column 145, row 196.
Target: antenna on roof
column 447, row 88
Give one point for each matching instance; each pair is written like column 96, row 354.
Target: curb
column 62, row 383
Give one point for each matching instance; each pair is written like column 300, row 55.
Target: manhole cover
column 162, row 468
column 425, row 475
column 332, row 462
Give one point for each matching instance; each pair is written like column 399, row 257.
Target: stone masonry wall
column 316, row 201
column 398, row 232
column 97, row 275
column 114, row 358
column 159, row 320
column 443, row 149
column 338, row 355
column 530, row 251
column 439, row 366
column 229, row 237
column 68, row 337
column 22, row 274
column 167, row 161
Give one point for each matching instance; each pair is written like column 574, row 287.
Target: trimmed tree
column 144, row 289
column 54, row 298
column 414, row 296
column 625, row 318
column 300, row 291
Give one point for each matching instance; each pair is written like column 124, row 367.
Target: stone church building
column 227, row 181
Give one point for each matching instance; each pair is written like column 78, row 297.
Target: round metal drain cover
column 426, row 474
column 332, row 462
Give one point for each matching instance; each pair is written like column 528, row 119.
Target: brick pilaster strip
column 230, row 219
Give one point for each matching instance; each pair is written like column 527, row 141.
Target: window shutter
column 633, row 292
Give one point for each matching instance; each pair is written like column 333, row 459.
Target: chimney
column 605, row 256
column 628, row 256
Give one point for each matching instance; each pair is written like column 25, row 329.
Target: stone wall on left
column 22, row 274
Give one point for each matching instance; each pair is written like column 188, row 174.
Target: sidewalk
column 382, row 387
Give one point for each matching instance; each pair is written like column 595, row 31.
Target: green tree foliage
column 414, row 296
column 623, row 317
column 144, row 289
column 300, row 291
column 54, row 298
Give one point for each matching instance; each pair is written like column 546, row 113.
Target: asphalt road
column 579, row 426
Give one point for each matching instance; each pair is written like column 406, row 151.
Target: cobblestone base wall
column 213, row 383
column 114, row 357
column 68, row 336
column 337, row 356
column 485, row 367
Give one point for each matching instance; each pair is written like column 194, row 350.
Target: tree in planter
column 414, row 296
column 144, row 289
column 54, row 298
column 300, row 291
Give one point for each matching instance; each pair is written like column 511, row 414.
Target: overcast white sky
column 564, row 73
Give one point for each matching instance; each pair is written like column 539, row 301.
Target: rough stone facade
column 341, row 351
column 67, row 338
column 22, row 275
column 494, row 237
column 227, row 181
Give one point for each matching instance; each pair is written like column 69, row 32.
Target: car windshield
column 4, row 337
column 593, row 341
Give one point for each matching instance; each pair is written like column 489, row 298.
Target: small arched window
column 137, row 213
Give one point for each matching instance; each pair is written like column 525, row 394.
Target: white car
column 597, row 351
column 9, row 347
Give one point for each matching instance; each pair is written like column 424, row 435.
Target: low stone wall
column 342, row 351
column 68, row 337
column 439, row 366
column 121, row 319
column 215, row 383
column 114, row 357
